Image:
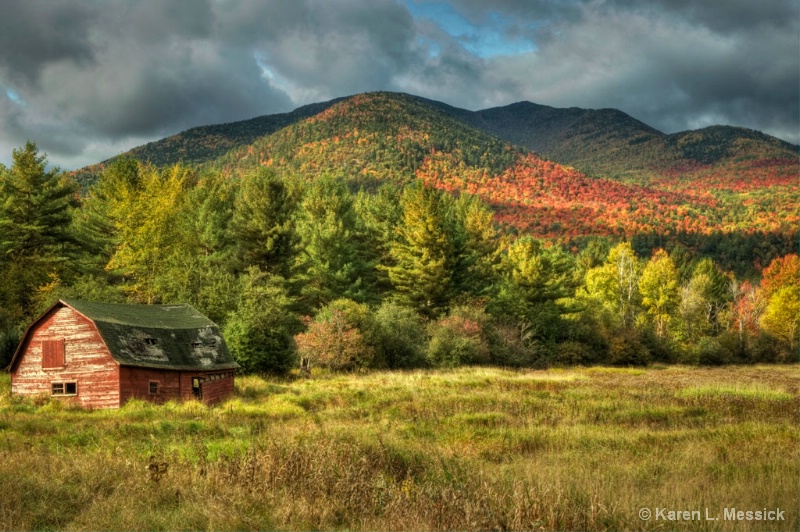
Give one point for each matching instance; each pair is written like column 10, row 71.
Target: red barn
column 99, row 355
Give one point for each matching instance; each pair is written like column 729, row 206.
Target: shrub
column 572, row 353
column 459, row 339
column 9, row 339
column 259, row 333
column 625, row 348
column 710, row 352
column 401, row 336
column 341, row 337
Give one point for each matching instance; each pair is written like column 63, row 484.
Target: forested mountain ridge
column 727, row 192
column 204, row 143
column 610, row 143
column 384, row 137
column 598, row 142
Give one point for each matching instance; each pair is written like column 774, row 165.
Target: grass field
column 468, row 449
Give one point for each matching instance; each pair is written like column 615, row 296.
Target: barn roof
column 155, row 336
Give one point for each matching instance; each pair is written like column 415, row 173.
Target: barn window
column 64, row 388
column 153, row 388
column 212, row 343
column 197, row 344
column 53, row 354
column 150, row 341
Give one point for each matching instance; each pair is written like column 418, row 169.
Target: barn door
column 197, row 388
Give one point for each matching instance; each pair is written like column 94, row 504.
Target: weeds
column 467, row 449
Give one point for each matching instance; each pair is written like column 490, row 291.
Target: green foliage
column 145, row 217
column 378, row 216
column 659, row 288
column 459, row 338
column 615, row 285
column 710, row 352
column 424, row 256
column 259, row 333
column 401, row 336
column 535, row 285
column 35, row 238
column 263, row 224
column 625, row 348
column 333, row 259
column 477, row 244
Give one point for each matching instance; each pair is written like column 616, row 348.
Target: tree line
column 390, row 277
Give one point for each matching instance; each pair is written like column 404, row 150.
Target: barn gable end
column 88, row 364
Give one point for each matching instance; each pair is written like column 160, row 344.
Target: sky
column 89, row 79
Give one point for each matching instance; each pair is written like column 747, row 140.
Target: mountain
column 719, row 187
column 599, row 143
column 385, row 137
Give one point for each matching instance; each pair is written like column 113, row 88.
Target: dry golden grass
column 467, row 449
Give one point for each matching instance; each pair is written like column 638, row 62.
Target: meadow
column 466, row 449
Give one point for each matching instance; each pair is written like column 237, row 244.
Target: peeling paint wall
column 87, row 361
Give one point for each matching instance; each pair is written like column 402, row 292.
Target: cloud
column 88, row 80
column 673, row 64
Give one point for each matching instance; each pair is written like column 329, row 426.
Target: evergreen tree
column 263, row 224
column 478, row 246
column 378, row 216
column 35, row 242
column 535, row 285
column 424, row 256
column 332, row 258
column 260, row 331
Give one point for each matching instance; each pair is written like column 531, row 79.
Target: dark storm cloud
column 116, row 73
column 90, row 79
column 675, row 64
column 32, row 37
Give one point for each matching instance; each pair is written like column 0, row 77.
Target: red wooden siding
column 135, row 383
column 86, row 360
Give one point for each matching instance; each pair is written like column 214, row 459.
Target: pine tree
column 478, row 246
column 263, row 224
column 35, row 241
column 332, row 258
column 424, row 255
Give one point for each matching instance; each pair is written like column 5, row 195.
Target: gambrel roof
column 152, row 336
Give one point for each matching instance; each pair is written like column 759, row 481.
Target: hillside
column 599, row 143
column 356, row 138
column 610, row 143
column 721, row 190
column 202, row 144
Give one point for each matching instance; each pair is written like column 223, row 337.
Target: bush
column 9, row 340
column 340, row 337
column 768, row 349
column 710, row 352
column 459, row 339
column 625, row 348
column 511, row 346
column 259, row 333
column 572, row 353
column 401, row 336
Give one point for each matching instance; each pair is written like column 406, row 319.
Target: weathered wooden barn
column 99, row 355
